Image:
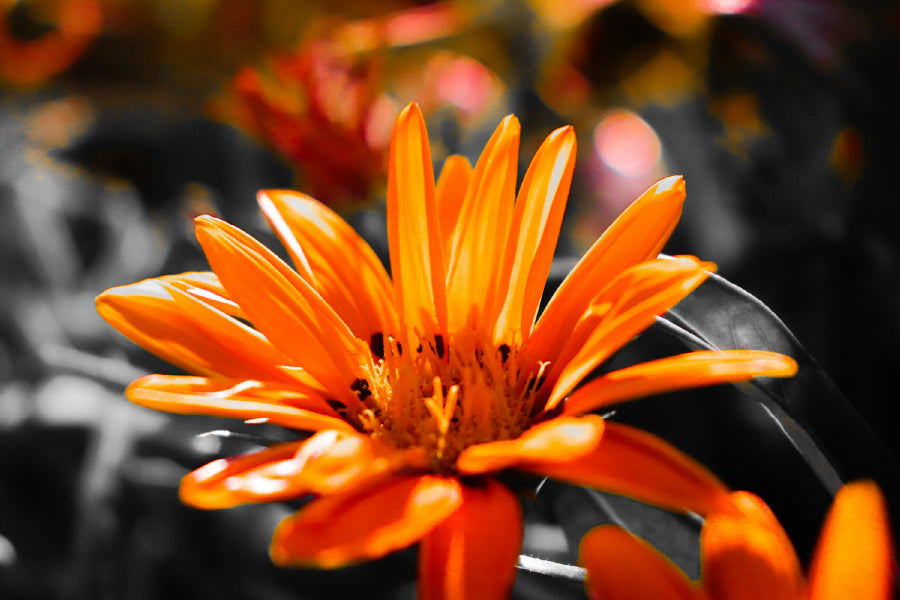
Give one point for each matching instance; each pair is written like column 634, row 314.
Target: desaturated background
column 120, row 120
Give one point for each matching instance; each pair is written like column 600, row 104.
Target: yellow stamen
column 449, row 393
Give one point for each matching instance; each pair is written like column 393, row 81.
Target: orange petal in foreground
column 335, row 531
column 450, row 190
column 747, row 555
column 621, row 566
column 561, row 439
column 638, row 464
column 283, row 306
column 357, row 288
column 638, row 234
column 329, row 462
column 535, row 230
column 482, row 229
column 234, row 398
column 472, row 555
column 691, row 370
column 854, row 557
column 189, row 333
column 414, row 232
column 625, row 308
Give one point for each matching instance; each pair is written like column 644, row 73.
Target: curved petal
column 472, row 555
column 482, row 229
column 205, row 286
column 747, row 556
column 638, row 234
column 534, row 232
column 190, row 333
column 262, row 476
column 235, row 398
column 450, row 191
column 339, row 530
column 284, row 307
column 691, row 370
column 329, row 462
column 854, row 556
column 334, row 259
column 624, row 309
column 559, row 439
column 414, row 233
column 632, row 462
column 621, row 566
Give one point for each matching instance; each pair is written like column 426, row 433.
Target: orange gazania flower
column 321, row 108
column 324, row 107
column 746, row 555
column 422, row 387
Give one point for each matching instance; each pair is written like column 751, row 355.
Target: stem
column 553, row 569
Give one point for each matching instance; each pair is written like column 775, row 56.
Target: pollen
column 450, row 393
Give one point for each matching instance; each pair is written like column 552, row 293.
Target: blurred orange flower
column 747, row 555
column 422, row 387
column 324, row 105
column 28, row 62
column 322, row 109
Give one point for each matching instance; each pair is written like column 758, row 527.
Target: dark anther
column 338, row 406
column 399, row 348
column 439, row 345
column 419, row 349
column 376, row 344
column 361, row 387
column 504, row 352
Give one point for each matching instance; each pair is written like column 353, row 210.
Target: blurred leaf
column 834, row 439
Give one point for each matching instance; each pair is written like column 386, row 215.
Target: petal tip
column 410, row 112
column 672, row 183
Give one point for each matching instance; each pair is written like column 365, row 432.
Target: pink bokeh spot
column 726, row 7
column 627, row 143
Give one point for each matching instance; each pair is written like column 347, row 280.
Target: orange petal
column 449, row 193
column 637, row 235
column 259, row 355
column 621, row 566
column 628, row 306
column 329, row 462
column 284, row 307
column 694, row 369
column 561, row 439
column 632, row 462
column 335, row 260
column 534, row 232
column 472, row 555
column 205, row 286
column 482, row 228
column 748, row 555
column 189, row 333
column 335, row 531
column 854, row 556
column 235, row 398
column 414, row 233
column 263, row 476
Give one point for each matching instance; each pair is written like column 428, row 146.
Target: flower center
column 446, row 395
